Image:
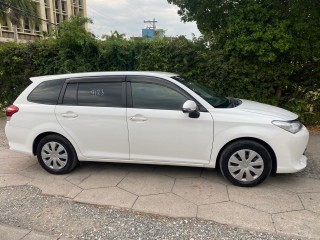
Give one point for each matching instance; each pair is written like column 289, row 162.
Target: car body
column 153, row 118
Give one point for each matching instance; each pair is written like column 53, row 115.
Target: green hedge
column 73, row 50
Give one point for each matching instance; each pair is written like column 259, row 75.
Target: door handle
column 69, row 115
column 138, row 118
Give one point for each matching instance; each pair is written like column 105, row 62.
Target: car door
column 92, row 112
column 158, row 129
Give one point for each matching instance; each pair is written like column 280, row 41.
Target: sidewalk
column 14, row 233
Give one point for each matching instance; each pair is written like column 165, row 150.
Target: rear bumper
column 17, row 139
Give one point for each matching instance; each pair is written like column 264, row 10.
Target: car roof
column 95, row 74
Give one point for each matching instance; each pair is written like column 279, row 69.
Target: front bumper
column 290, row 151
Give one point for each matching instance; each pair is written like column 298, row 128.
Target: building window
column 64, row 6
column 56, row 2
column 26, row 24
column 58, row 18
column 37, row 28
column 81, row 12
column 48, row 28
column 4, row 24
column 47, row 14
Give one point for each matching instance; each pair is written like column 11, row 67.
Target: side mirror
column 191, row 107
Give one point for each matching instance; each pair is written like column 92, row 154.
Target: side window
column 46, row 92
column 70, row 95
column 103, row 94
column 155, row 96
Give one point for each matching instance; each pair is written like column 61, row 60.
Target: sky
column 127, row 16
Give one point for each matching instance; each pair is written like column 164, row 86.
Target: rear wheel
column 56, row 154
column 245, row 163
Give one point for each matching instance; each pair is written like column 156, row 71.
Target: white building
column 54, row 11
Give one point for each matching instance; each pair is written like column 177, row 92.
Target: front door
column 159, row 131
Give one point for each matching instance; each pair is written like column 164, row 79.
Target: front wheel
column 56, row 154
column 245, row 163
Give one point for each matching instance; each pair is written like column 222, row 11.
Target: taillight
column 11, row 110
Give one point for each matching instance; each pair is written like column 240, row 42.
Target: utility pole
column 153, row 24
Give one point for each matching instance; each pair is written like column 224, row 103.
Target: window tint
column 70, row 96
column 47, row 92
column 154, row 96
column 100, row 94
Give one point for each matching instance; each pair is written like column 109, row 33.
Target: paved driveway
column 288, row 204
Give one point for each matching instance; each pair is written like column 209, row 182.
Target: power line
column 25, row 12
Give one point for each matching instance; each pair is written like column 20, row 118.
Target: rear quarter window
column 47, row 92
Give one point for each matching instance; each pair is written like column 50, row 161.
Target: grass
column 2, row 114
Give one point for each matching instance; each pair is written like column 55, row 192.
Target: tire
column 56, row 154
column 245, row 163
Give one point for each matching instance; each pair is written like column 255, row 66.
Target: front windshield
column 210, row 96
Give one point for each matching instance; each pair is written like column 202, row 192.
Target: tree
column 114, row 36
column 15, row 10
column 261, row 41
column 77, row 49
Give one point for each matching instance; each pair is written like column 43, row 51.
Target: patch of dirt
column 314, row 129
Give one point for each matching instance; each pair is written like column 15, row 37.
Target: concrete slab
column 113, row 196
column 79, row 175
column 137, row 167
column 266, row 198
column 5, row 153
column 167, row 204
column 13, row 180
column 296, row 184
column 146, row 183
column 108, row 177
column 57, row 187
column 37, row 172
column 313, row 145
column 200, row 190
column 300, row 223
column 82, row 172
column 179, row 172
column 14, row 165
column 238, row 215
column 12, row 233
column 215, row 176
column 311, row 201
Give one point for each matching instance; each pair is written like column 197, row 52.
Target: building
column 151, row 32
column 53, row 11
column 148, row 33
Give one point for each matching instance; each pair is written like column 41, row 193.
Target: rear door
column 92, row 111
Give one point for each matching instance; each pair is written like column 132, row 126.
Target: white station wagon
column 152, row 118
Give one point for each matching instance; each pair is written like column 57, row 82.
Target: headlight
column 290, row 126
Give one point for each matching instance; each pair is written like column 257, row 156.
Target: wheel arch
column 263, row 143
column 41, row 136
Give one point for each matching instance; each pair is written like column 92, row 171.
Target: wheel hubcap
column 54, row 155
column 245, row 165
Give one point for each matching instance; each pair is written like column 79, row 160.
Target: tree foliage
column 266, row 48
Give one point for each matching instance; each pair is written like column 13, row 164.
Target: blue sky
column 126, row 16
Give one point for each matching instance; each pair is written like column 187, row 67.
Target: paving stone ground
column 285, row 204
